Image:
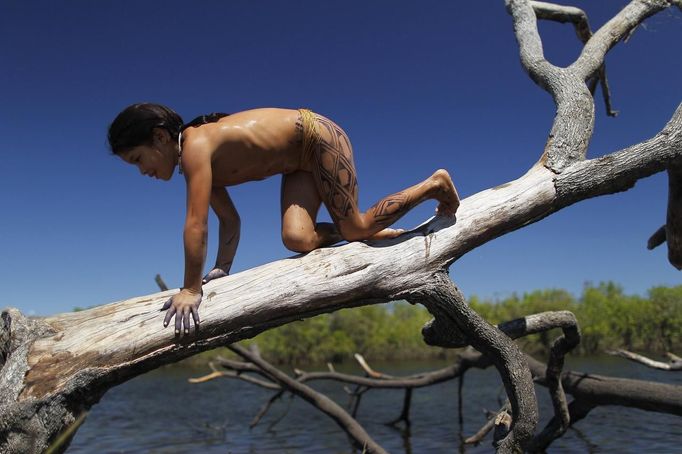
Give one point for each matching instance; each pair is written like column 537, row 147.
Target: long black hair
column 134, row 125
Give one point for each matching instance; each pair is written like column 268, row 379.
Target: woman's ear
column 161, row 136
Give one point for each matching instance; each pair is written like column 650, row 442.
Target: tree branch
column 577, row 410
column 673, row 226
column 574, row 122
column 657, row 238
column 368, row 370
column 672, row 365
column 320, row 401
column 465, row 360
column 604, row 390
column 530, row 44
column 542, row 322
column 560, row 347
column 487, row 427
column 577, row 17
column 444, row 300
column 264, row 409
column 619, row 27
column 620, row 171
column 405, row 413
column 160, row 282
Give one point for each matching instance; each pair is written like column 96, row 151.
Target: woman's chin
column 166, row 176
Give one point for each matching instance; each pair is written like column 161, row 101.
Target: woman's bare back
column 250, row 145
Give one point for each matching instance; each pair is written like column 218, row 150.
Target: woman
column 311, row 152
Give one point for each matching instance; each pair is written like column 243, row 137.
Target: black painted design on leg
column 334, row 171
column 389, row 209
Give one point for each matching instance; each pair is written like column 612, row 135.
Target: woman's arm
column 198, row 174
column 228, row 236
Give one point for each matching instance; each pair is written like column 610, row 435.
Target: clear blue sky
column 417, row 86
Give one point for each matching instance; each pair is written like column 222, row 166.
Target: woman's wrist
column 225, row 266
column 193, row 291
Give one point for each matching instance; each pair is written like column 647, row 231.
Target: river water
column 161, row 412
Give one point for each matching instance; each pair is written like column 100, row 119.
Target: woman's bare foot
column 386, row 234
column 445, row 193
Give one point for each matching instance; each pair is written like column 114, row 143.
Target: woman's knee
column 298, row 241
column 354, row 231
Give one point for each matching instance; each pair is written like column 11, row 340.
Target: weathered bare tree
column 55, row 368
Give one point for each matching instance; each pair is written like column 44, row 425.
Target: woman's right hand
column 215, row 273
column 182, row 305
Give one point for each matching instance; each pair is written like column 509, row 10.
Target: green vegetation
column 608, row 319
column 377, row 332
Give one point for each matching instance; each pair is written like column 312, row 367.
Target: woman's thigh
column 300, row 203
column 334, row 171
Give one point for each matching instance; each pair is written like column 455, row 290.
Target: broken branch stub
column 657, row 238
column 673, row 225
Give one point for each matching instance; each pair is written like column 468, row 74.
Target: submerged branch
column 674, row 364
column 354, row 430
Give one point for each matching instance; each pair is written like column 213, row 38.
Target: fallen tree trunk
column 55, row 368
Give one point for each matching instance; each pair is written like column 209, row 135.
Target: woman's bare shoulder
column 260, row 113
column 262, row 128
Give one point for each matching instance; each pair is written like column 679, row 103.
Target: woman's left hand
column 182, row 305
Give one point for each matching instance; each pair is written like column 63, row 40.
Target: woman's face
column 155, row 160
column 151, row 161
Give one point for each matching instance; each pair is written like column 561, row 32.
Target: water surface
column 161, row 412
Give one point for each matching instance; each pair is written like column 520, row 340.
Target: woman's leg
column 334, row 173
column 300, row 204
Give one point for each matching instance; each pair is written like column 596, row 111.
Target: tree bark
column 454, row 318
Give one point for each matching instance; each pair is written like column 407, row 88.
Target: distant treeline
column 608, row 319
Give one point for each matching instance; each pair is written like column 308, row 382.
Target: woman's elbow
column 196, row 226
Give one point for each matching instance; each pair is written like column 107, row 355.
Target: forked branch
column 574, row 122
column 577, row 17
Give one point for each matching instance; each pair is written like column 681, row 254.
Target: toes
column 394, row 233
column 445, row 210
